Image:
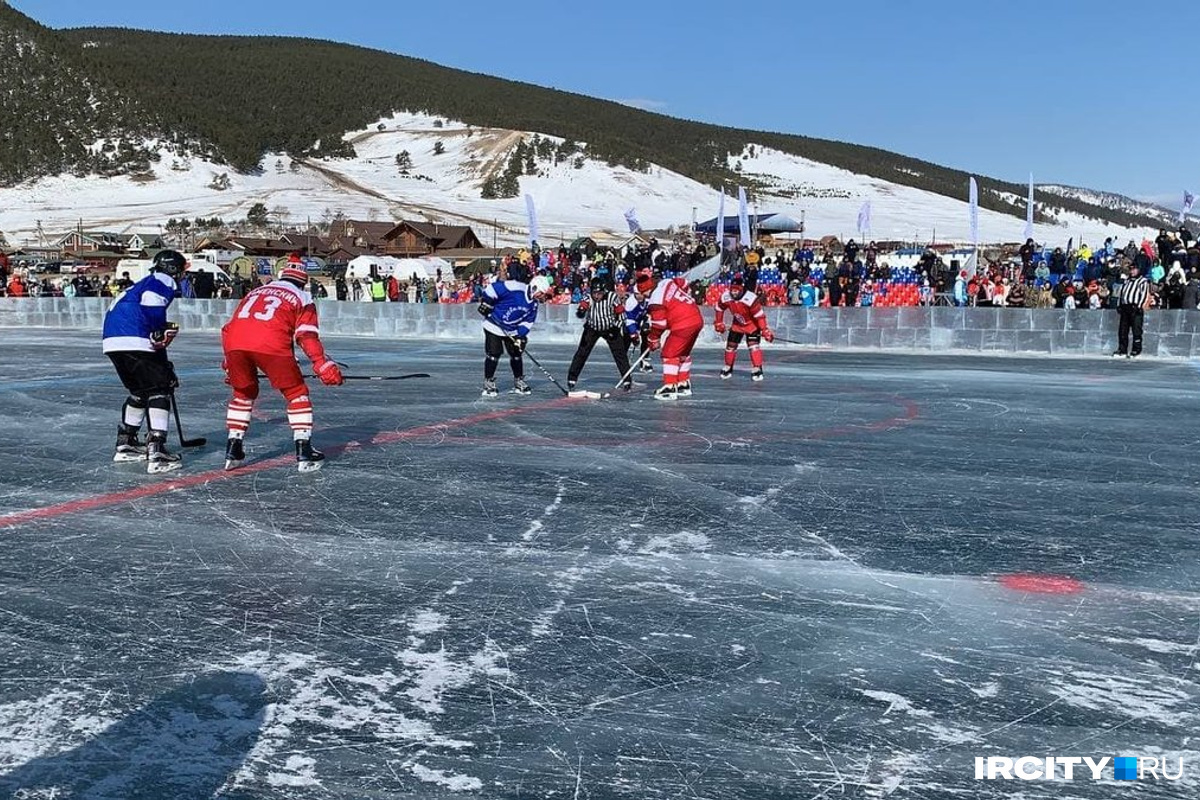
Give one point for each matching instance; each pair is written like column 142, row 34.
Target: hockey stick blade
column 588, row 395
column 193, row 442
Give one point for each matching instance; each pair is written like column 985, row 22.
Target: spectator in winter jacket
column 1026, row 252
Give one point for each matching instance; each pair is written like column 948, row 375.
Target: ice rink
column 848, row 581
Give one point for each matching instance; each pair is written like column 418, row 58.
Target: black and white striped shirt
column 602, row 315
column 1134, row 292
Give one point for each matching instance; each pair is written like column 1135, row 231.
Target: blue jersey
column 137, row 312
column 635, row 312
column 513, row 309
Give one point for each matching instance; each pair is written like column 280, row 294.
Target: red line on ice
column 1037, row 583
column 188, row 481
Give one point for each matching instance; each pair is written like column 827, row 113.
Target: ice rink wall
column 1171, row 334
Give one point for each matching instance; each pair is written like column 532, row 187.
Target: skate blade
column 159, row 467
column 309, row 466
column 128, row 458
column 231, row 464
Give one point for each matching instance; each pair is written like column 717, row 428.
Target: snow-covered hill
column 1118, row 202
column 573, row 198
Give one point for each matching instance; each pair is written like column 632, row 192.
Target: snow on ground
column 446, row 188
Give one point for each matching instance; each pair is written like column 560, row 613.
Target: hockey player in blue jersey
column 637, row 326
column 136, row 335
column 509, row 308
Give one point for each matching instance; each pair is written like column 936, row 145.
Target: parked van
column 139, row 268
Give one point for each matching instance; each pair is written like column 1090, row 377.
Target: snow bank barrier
column 1170, row 334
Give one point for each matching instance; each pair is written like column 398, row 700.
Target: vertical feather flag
column 721, row 221
column 533, row 222
column 1188, row 199
column 864, row 219
column 743, row 217
column 1029, row 210
column 974, row 213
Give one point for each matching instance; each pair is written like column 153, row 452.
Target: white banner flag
column 533, row 225
column 974, row 213
column 1029, row 210
column 632, row 221
column 721, row 221
column 864, row 219
column 743, row 217
column 1188, row 199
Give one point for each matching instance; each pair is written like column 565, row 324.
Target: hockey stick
column 620, row 383
column 199, row 442
column 546, row 372
column 381, row 377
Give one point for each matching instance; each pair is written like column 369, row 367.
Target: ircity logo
column 1069, row 768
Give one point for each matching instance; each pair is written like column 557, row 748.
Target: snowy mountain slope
column 1115, row 201
column 571, row 200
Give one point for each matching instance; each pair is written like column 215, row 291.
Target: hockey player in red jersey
column 672, row 311
column 258, row 338
column 749, row 320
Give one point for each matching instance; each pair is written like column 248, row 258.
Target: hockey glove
column 225, row 369
column 584, row 305
column 522, row 342
column 768, row 334
column 485, row 309
column 329, row 373
column 161, row 339
column 719, row 327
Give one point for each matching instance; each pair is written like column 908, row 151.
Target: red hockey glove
column 329, row 373
column 652, row 343
column 768, row 334
column 162, row 339
column 719, row 327
column 225, row 369
column 584, row 305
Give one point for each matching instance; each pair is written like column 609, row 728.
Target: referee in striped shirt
column 1131, row 305
column 603, row 318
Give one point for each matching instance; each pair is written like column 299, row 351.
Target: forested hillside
column 236, row 98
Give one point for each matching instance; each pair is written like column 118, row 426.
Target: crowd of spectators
column 1031, row 276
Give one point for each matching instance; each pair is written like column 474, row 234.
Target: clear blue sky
column 1097, row 93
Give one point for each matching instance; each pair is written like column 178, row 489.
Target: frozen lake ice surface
column 850, row 580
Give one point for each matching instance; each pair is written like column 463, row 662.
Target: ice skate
column 489, row 388
column 235, row 453
column 158, row 460
column 683, row 389
column 647, row 366
column 666, row 392
column 726, row 373
column 129, row 448
column 756, row 374
column 521, row 387
column 308, row 459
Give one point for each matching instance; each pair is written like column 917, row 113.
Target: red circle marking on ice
column 1041, row 584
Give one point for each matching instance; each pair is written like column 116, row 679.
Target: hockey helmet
column 170, row 262
column 737, row 286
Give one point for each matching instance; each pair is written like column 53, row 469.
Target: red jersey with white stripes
column 673, row 308
column 747, row 312
column 270, row 319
